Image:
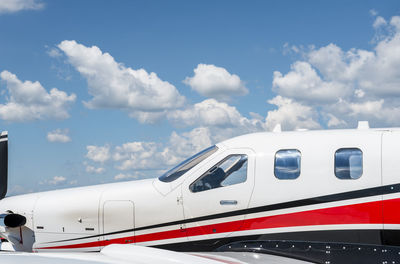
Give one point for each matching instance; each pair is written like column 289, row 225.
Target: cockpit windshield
column 186, row 165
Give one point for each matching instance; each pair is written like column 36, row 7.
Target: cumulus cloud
column 345, row 86
column 58, row 135
column 216, row 82
column 112, row 85
column 158, row 156
column 56, row 180
column 53, row 52
column 98, row 153
column 291, row 115
column 139, row 158
column 186, row 144
column 395, row 22
column 127, row 176
column 373, row 12
column 304, row 83
column 92, row 169
column 137, row 155
column 222, row 119
column 209, row 112
column 28, row 101
column 379, row 22
column 12, row 6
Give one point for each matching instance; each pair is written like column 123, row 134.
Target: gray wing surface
column 124, row 254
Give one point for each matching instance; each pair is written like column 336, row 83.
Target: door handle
column 228, row 202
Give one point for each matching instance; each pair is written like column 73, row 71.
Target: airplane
column 315, row 195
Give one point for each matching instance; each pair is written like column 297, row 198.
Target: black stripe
column 362, row 236
column 388, row 189
column 3, row 136
column 320, row 252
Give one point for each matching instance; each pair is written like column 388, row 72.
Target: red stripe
column 391, row 211
column 365, row 213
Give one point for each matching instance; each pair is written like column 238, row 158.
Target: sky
column 102, row 91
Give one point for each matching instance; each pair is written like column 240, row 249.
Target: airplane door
column 213, row 194
column 118, row 216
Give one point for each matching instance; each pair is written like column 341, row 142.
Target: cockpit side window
column 231, row 170
column 186, row 165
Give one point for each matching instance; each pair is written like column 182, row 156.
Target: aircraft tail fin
column 3, row 164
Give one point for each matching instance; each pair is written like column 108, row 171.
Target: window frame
column 216, row 165
column 171, row 175
column 299, row 167
column 362, row 162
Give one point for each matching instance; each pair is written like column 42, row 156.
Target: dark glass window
column 186, row 165
column 231, row 170
column 287, row 164
column 348, row 163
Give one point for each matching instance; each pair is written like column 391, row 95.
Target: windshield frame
column 186, row 165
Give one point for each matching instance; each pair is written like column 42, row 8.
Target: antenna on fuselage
column 277, row 128
column 3, row 163
column 363, row 125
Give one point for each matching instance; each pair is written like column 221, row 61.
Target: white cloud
column 395, row 22
column 12, row 6
column 216, row 82
column 98, row 154
column 223, row 120
column 54, row 53
column 56, row 180
column 28, row 101
column 92, row 169
column 211, row 113
column 345, row 86
column 359, row 93
column 126, row 176
column 304, row 83
column 148, row 117
column 373, row 12
column 186, row 144
column 116, row 86
column 368, row 108
column 137, row 155
column 140, row 156
column 291, row 115
column 58, row 135
column 379, row 22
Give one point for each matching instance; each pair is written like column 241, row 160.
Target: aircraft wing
column 124, row 254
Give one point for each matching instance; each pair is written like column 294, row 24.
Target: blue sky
column 140, row 85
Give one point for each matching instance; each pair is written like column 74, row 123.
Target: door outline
column 229, row 202
column 129, row 239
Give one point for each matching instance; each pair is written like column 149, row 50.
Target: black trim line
column 362, row 236
column 382, row 190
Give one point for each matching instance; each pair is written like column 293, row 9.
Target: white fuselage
column 259, row 205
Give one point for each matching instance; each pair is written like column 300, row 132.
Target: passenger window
column 348, row 163
column 232, row 170
column 287, row 164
